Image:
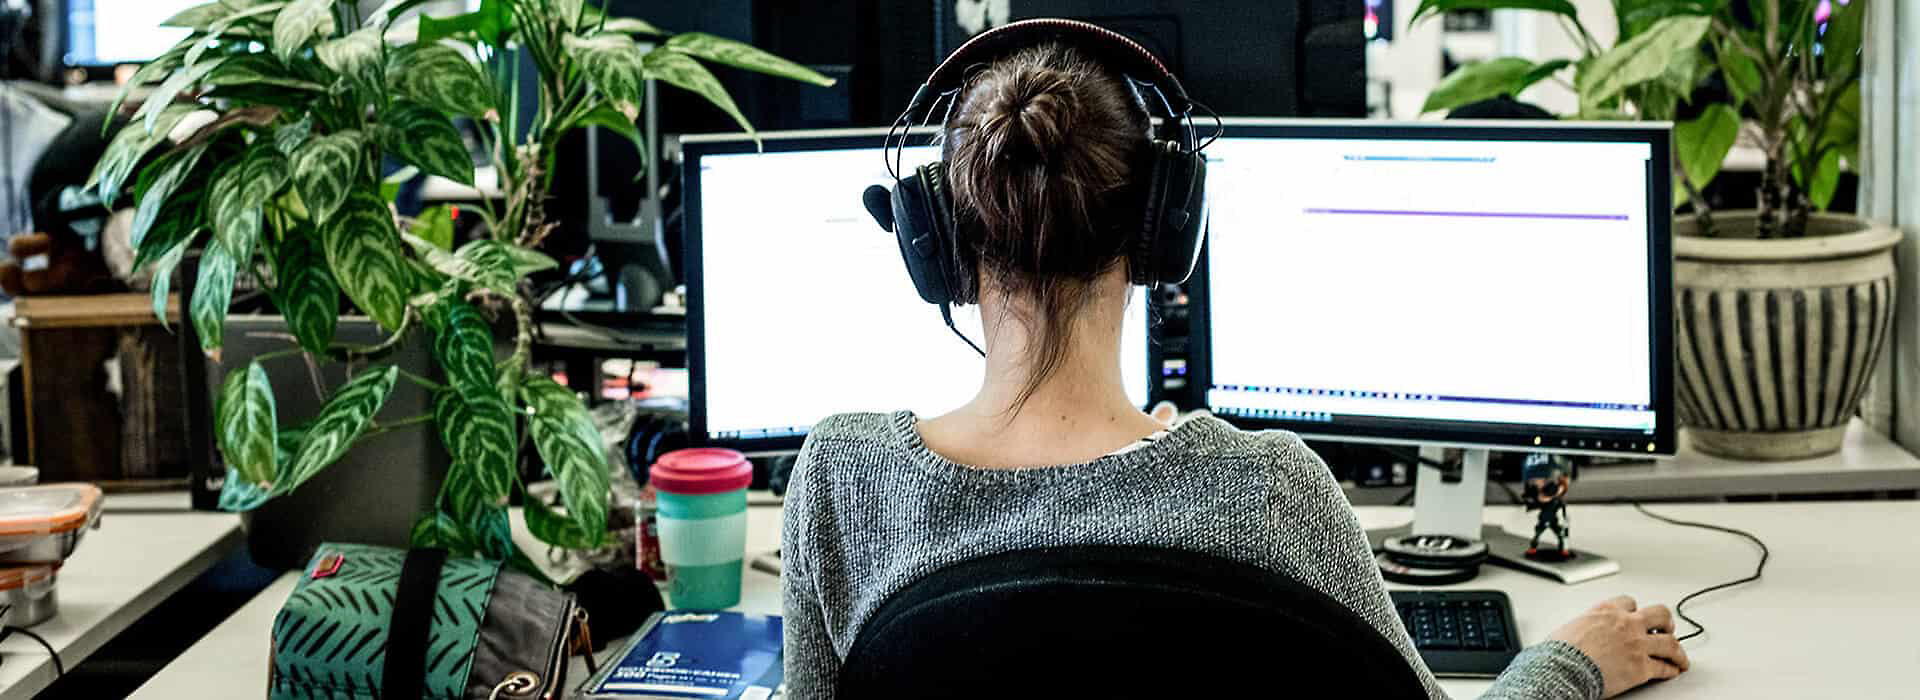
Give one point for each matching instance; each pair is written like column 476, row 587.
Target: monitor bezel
column 1469, row 434
column 695, row 147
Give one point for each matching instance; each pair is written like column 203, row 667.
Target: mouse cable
column 1758, row 568
column 59, row 670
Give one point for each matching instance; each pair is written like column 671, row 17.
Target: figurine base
column 1510, row 551
column 1550, row 556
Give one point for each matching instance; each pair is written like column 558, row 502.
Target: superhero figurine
column 1546, row 491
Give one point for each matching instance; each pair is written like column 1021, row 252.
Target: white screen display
column 104, row 32
column 807, row 307
column 1439, row 280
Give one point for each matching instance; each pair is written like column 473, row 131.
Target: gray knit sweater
column 870, row 509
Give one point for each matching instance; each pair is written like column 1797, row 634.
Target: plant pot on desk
column 1777, row 337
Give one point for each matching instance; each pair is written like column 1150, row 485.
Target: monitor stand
column 1449, row 502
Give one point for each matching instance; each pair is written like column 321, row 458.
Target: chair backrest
column 1102, row 621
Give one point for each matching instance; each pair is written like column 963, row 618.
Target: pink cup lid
column 701, row 470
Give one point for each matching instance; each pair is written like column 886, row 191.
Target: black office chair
column 1105, row 622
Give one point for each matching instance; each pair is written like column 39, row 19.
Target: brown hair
column 1041, row 150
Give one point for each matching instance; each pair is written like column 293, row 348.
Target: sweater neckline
column 906, row 431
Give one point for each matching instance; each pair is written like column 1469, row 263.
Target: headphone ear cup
column 917, row 229
column 1184, row 225
column 1143, row 261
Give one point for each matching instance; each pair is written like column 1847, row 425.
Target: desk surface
column 1834, row 616
column 1867, row 461
column 148, row 546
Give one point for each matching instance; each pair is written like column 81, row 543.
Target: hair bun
column 1028, row 115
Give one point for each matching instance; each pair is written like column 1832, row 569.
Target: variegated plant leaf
column 163, row 277
column 338, row 424
column 478, row 430
column 564, row 435
column 257, row 69
column 324, row 171
column 681, row 71
column 306, row 292
column 212, row 292
column 558, row 529
column 128, row 147
column 290, row 137
column 438, row 76
column 246, row 425
column 237, row 199
column 423, row 137
column 612, row 62
column 299, row 23
column 360, row 243
column 355, row 55
column 154, row 199
column 742, row 55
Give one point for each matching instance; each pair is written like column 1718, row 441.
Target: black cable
column 1510, row 493
column 1758, row 569
column 1405, row 498
column 59, row 669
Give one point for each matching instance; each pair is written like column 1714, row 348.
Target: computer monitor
column 110, row 32
column 799, row 307
column 1477, row 284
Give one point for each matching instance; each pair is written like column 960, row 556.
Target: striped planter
column 1777, row 338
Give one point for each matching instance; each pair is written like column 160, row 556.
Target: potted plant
column 1781, row 311
column 298, row 103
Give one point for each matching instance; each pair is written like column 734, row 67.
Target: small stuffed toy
column 45, row 263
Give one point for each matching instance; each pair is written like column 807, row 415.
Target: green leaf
column 173, row 170
column 628, row 25
column 299, row 23
column 222, row 33
column 324, row 171
column 161, row 99
column 478, row 431
column 740, row 55
column 557, row 529
column 1742, row 74
column 212, row 292
column 154, row 71
column 491, row 24
column 423, row 137
column 257, row 69
column 238, row 495
column 564, row 435
column 613, row 63
column 1702, row 143
column 359, row 242
column 290, row 137
column 306, row 293
column 1635, row 16
column 1480, row 81
column 1826, row 178
column 237, row 199
column 679, row 70
column 1640, row 59
column 451, row 265
column 355, row 55
column 1439, row 7
column 437, row 530
column 463, row 345
column 128, row 148
column 246, row 425
column 440, row 77
column 606, row 117
column 527, row 261
column 1841, row 43
column 198, row 17
column 163, row 277
column 435, row 225
column 339, row 423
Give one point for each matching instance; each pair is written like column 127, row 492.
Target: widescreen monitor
column 799, row 306
column 1482, row 284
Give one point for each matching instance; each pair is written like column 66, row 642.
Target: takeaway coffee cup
column 702, row 499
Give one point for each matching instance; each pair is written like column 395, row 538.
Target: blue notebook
column 713, row 656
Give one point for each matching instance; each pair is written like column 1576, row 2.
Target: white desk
column 148, row 547
column 1834, row 617
column 1867, row 461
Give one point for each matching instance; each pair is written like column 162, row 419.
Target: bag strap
column 404, row 674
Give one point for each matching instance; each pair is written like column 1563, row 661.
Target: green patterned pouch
column 370, row 622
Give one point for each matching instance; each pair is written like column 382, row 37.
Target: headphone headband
column 1105, row 46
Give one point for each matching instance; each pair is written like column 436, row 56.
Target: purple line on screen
column 1473, row 214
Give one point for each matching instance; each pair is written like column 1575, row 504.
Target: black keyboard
column 1460, row 633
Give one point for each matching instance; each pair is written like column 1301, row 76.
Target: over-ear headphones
column 919, row 210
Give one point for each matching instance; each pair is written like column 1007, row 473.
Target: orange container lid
column 48, row 509
column 12, row 577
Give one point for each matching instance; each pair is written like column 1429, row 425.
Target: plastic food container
column 27, row 594
column 43, row 524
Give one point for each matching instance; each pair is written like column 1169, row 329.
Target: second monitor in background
column 800, row 308
column 1475, row 285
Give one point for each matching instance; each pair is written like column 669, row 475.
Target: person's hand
column 1630, row 646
